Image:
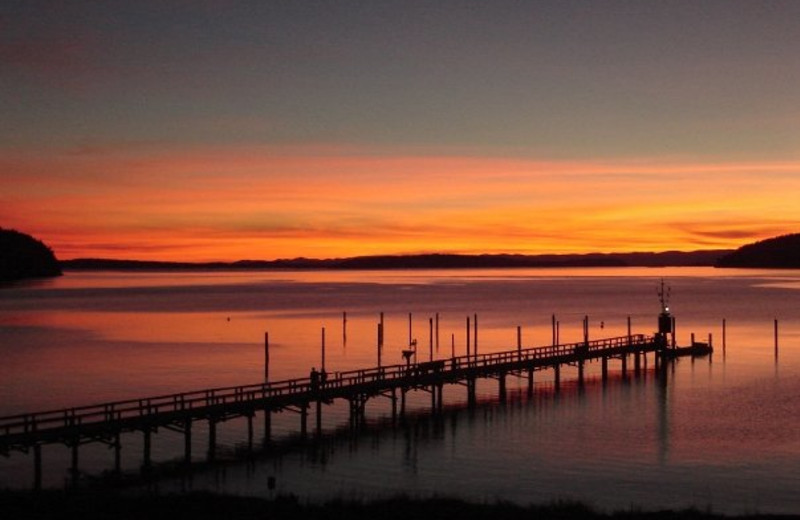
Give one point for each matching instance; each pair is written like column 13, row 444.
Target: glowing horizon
column 253, row 203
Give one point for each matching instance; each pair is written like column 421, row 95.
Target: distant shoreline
column 704, row 258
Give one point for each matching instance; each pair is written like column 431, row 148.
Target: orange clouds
column 267, row 202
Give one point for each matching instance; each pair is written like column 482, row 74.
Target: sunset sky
column 224, row 130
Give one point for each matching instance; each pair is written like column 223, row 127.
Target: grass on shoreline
column 199, row 506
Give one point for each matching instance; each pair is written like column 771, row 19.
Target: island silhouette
column 22, row 257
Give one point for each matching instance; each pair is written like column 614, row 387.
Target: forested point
column 781, row 252
column 22, row 257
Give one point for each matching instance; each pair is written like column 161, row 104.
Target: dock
column 107, row 422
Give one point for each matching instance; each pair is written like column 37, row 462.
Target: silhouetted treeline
column 781, row 252
column 427, row 261
column 22, row 256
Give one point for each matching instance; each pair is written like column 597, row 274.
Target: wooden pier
column 105, row 423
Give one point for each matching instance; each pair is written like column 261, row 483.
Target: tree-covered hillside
column 22, row 256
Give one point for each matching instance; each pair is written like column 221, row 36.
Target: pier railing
column 119, row 412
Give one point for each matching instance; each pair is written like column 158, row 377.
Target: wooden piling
column 530, row 381
column 430, row 339
column 586, row 329
column 380, row 343
column 452, row 345
column 629, row 330
column 117, row 454
column 711, row 346
column 267, row 426
column 212, row 439
column 475, row 349
column 319, row 418
column 468, row 333
column 74, row 465
column 776, row 338
column 266, row 357
column 344, row 327
column 187, row 442
column 37, row 467
column 724, row 335
column 519, row 342
column 409, row 329
column 322, row 364
column 250, row 432
column 555, row 339
column 437, row 332
column 146, row 462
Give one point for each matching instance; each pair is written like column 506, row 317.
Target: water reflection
column 723, row 430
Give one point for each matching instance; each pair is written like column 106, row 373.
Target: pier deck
column 107, row 421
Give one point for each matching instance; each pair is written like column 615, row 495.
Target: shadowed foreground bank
column 198, row 506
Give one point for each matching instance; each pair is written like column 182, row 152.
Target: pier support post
column 380, row 343
column 433, row 399
column 437, row 332
column 74, row 466
column 475, row 350
column 402, row 402
column 468, row 334
column 117, row 455
column 430, row 339
column 604, row 368
column 37, row 467
column 440, row 397
column 530, row 381
column 624, row 366
column 637, row 364
column 187, row 442
column 580, row 372
column 319, row 418
column 212, row 439
column 304, row 420
column 394, row 404
column 146, row 463
column 776, row 339
column 724, row 335
column 266, row 357
column 502, row 390
column 267, row 426
column 471, row 398
column 557, row 376
column 409, row 328
column 250, row 432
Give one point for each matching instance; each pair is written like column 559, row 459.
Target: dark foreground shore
column 200, row 506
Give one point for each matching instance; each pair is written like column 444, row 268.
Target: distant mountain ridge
column 424, row 261
column 781, row 252
column 22, row 257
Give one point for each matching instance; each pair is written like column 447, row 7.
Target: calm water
column 724, row 434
